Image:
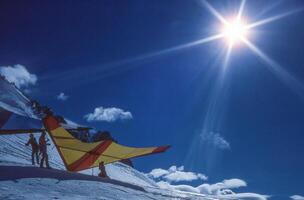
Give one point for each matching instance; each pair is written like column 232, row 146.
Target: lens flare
column 234, row 31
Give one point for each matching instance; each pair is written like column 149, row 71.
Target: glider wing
column 78, row 155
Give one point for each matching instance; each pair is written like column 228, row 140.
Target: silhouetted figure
column 102, row 169
column 43, row 150
column 32, row 141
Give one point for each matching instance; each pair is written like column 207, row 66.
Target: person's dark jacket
column 32, row 141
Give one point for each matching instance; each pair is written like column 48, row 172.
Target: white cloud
column 214, row 139
column 108, row 114
column 185, row 188
column 18, row 75
column 218, row 190
column 176, row 174
column 157, row 173
column 297, row 197
column 234, row 183
column 62, row 96
column 245, row 196
column 218, row 187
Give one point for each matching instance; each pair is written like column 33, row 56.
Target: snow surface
column 37, row 188
column 13, row 100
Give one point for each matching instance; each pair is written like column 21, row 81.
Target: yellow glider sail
column 78, row 155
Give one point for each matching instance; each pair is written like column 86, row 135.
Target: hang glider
column 77, row 155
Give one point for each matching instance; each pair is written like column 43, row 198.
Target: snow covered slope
column 13, row 100
column 57, row 184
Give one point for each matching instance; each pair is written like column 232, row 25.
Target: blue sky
column 246, row 122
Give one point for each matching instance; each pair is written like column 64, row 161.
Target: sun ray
column 291, row 81
column 227, row 56
column 268, row 8
column 241, row 9
column 108, row 69
column 273, row 18
column 214, row 12
column 172, row 49
column 180, row 47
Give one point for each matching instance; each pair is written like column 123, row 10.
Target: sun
column 234, row 30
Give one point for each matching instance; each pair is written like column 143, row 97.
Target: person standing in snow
column 102, row 169
column 43, row 150
column 32, row 141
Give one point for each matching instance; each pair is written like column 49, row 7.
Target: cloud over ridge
column 297, row 197
column 222, row 190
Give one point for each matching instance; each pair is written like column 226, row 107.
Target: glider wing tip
column 161, row 149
